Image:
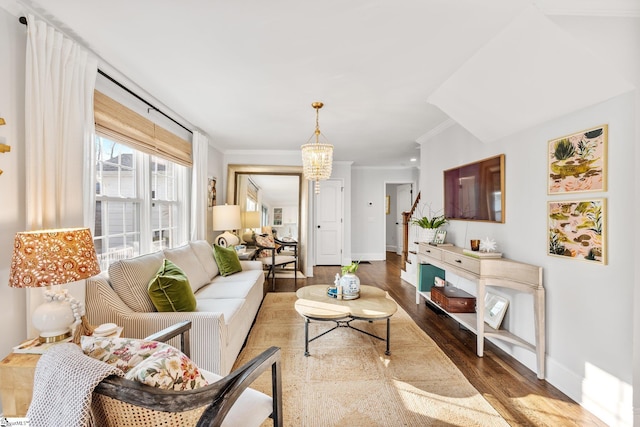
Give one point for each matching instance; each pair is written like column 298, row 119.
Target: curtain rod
column 23, row 21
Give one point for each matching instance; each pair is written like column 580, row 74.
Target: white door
column 328, row 226
column 403, row 204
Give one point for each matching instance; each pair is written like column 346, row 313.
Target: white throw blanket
column 63, row 385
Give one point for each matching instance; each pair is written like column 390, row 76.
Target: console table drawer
column 430, row 251
column 472, row 265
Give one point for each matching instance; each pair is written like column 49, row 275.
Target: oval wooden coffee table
column 314, row 304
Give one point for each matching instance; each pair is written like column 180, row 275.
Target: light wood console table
column 487, row 272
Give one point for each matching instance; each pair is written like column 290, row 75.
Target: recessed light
column 413, row 159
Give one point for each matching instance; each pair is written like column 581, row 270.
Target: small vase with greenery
column 349, row 281
column 351, row 268
column 430, row 223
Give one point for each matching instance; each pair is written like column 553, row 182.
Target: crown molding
column 436, row 131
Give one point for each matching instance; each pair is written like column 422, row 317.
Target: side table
column 249, row 254
column 16, row 383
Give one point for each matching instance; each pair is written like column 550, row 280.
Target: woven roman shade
column 119, row 122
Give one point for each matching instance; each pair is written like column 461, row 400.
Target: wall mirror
column 279, row 195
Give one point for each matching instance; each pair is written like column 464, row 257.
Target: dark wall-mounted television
column 475, row 191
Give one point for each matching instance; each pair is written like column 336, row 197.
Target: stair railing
column 406, row 220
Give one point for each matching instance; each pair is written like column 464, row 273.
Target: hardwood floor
column 511, row 388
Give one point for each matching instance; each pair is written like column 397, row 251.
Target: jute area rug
column 348, row 380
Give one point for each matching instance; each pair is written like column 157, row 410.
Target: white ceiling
column 245, row 72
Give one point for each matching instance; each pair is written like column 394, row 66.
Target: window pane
column 164, row 225
column 117, row 231
column 163, row 179
column 115, row 169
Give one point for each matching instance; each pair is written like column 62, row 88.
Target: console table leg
column 480, row 319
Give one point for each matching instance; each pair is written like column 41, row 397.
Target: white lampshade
column 227, row 218
column 251, row 219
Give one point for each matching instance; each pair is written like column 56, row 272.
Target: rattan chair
column 120, row 402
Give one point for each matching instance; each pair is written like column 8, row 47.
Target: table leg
column 388, row 352
column 306, row 336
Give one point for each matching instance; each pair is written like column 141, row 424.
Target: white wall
column 589, row 307
column 368, row 216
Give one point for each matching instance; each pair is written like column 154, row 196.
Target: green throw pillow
column 227, row 260
column 170, row 289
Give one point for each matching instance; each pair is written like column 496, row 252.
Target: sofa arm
column 251, row 265
column 209, row 335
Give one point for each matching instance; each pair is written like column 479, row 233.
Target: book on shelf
column 440, row 244
column 480, row 254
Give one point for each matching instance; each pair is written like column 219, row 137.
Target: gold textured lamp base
column 56, row 338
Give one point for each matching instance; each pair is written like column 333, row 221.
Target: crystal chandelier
column 317, row 157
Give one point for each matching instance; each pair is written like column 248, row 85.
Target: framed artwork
column 440, row 236
column 387, row 205
column 578, row 162
column 577, row 230
column 495, row 308
column 211, row 193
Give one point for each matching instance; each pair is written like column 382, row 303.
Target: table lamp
column 250, row 220
column 50, row 258
column 226, row 218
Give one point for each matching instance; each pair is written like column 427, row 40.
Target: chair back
column 117, row 401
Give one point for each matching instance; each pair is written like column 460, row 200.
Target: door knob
column 318, row 226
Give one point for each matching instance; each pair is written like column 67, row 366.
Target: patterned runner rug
column 348, row 381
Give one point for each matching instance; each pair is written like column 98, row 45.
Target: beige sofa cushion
column 185, row 258
column 130, row 279
column 204, row 252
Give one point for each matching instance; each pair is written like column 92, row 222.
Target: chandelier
column 317, row 157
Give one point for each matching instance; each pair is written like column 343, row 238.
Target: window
column 127, row 223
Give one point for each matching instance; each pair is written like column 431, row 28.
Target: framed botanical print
column 578, row 162
column 577, row 230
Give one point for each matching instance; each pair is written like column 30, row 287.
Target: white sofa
column 226, row 306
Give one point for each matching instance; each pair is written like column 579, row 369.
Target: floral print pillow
column 149, row 362
column 266, row 241
column 168, row 369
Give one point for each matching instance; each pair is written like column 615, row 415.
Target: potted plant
column 349, row 281
column 430, row 224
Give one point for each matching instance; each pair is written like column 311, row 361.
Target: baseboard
column 373, row 256
column 598, row 392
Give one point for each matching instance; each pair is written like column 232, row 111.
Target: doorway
column 329, row 223
column 400, row 199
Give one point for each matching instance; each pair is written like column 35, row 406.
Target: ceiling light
column 317, row 157
column 413, row 159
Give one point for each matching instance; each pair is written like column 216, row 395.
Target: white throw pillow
column 185, row 258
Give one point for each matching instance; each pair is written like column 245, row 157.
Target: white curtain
column 60, row 79
column 199, row 186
